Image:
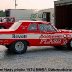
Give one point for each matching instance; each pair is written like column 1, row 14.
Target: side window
column 44, row 27
column 32, row 27
column 50, row 28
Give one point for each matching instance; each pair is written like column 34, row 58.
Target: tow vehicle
column 6, row 22
column 34, row 33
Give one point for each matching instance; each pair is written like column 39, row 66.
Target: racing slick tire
column 59, row 47
column 69, row 45
column 7, row 46
column 18, row 47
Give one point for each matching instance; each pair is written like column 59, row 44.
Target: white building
column 20, row 14
column 47, row 15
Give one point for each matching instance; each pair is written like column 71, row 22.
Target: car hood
column 65, row 31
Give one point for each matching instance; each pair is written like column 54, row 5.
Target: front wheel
column 18, row 47
column 69, row 45
column 7, row 46
column 59, row 47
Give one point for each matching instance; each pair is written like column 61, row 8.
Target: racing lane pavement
column 36, row 57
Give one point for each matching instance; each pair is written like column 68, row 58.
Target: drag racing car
column 34, row 33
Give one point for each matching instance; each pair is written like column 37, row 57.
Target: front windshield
column 15, row 26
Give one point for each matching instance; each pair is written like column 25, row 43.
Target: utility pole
column 15, row 4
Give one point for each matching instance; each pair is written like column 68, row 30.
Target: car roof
column 34, row 21
column 29, row 21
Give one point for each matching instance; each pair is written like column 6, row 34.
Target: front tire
column 69, row 45
column 7, row 46
column 59, row 47
column 18, row 47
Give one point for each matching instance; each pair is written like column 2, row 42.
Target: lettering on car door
column 49, row 35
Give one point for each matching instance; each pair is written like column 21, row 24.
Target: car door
column 33, row 34
column 49, row 35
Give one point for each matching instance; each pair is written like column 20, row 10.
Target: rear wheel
column 18, row 47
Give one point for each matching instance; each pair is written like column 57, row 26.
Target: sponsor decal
column 45, row 36
column 19, row 36
column 51, row 41
column 50, row 36
column 57, row 41
column 44, row 41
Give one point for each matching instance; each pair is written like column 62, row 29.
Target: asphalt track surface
column 36, row 59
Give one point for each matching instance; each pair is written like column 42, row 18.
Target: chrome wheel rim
column 19, row 46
